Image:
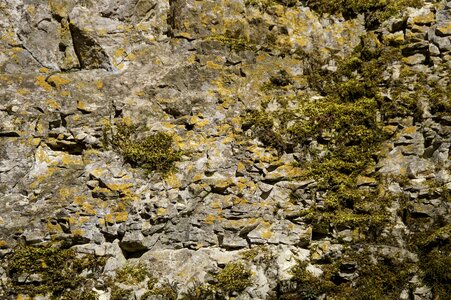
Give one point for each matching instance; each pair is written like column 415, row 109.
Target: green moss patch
column 235, row 277
column 53, row 271
column 338, row 135
column 153, row 152
column 376, row 11
column 384, row 278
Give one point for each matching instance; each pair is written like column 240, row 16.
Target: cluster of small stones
column 69, row 69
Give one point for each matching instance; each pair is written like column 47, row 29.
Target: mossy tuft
column 51, row 270
column 375, row 11
column 153, row 152
column 235, row 277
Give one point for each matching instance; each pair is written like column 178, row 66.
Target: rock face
column 240, row 214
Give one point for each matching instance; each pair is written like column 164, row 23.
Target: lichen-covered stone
column 224, row 149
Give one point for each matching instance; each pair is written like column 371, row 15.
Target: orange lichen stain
column 54, row 228
column 101, row 204
column 240, row 201
column 140, row 93
column 81, row 105
column 119, row 53
column 409, row 130
column 72, row 220
column 80, row 85
column 198, row 177
column 65, row 93
column 71, row 160
column 216, row 204
column 9, row 37
column 78, row 200
column 23, row 92
column 127, row 121
column 168, row 125
column 240, row 167
column 5, row 79
column 212, row 65
column 97, row 172
column 202, row 123
column 14, row 52
column 267, row 234
column 252, row 221
column 106, row 192
column 121, row 217
column 210, row 219
column 82, row 220
column 53, row 104
column 402, row 171
column 119, row 186
column 142, row 27
column 128, row 196
column 229, row 139
column 172, row 181
column 41, row 156
column 109, row 218
column 65, row 193
column 131, row 57
column 102, row 32
column 117, row 217
column 260, row 58
column 120, row 207
column 30, row 141
column 41, row 178
column 40, row 80
column 43, row 70
column 58, row 81
column 31, row 10
column 88, row 209
column 99, row 84
column 266, row 224
column 192, row 59
column 161, row 211
column 40, row 127
column 78, row 232
column 3, row 244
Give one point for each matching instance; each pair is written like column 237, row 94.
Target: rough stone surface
column 70, row 69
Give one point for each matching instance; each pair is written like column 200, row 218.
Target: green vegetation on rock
column 376, row 11
column 153, row 152
column 132, row 274
column 51, row 270
column 433, row 247
column 381, row 279
column 235, row 277
column 342, row 133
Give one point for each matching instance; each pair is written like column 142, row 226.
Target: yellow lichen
column 58, row 81
column 40, row 80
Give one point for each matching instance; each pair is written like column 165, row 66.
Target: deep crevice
column 89, row 53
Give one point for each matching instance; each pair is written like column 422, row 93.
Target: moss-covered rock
column 376, row 11
column 235, row 277
column 153, row 152
column 51, row 270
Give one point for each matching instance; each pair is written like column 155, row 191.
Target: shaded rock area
column 247, row 207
